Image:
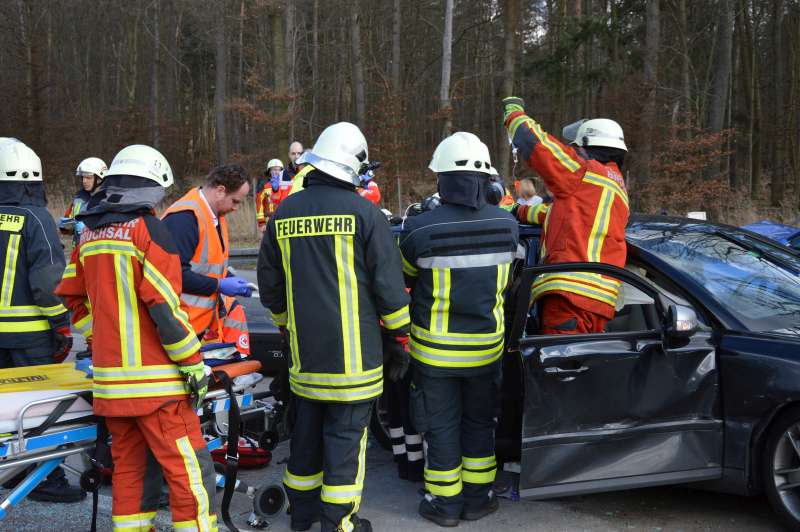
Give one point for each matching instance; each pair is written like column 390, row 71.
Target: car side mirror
column 681, row 322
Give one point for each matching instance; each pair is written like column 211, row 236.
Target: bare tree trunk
column 154, row 95
column 447, row 61
column 778, row 156
column 396, row 33
column 722, row 66
column 220, row 85
column 358, row 65
column 279, row 73
column 686, row 86
column 314, row 67
column 510, row 27
column 290, row 45
column 651, row 82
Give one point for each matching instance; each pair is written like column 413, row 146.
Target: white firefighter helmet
column 92, row 166
column 461, row 152
column 142, row 161
column 275, row 163
column 18, row 162
column 340, row 151
column 601, row 132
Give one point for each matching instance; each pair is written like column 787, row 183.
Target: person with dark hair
column 198, row 226
column 587, row 219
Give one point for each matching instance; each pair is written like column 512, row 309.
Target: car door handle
column 566, row 373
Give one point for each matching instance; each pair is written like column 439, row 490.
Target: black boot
column 361, row 525
column 56, row 488
column 301, row 525
column 429, row 510
column 475, row 512
column 415, row 471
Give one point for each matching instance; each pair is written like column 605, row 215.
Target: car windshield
column 762, row 294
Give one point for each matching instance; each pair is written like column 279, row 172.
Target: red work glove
column 63, row 344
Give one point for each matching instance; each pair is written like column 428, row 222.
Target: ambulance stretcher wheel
column 269, row 440
column 269, row 500
column 91, row 480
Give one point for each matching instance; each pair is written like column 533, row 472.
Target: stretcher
column 47, row 417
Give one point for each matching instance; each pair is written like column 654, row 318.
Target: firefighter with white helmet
column 329, row 270
column 34, row 324
column 146, row 358
column 91, row 172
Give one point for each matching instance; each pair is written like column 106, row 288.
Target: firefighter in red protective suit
column 123, row 283
column 271, row 191
column 586, row 222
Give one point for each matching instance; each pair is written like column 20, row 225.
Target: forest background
column 708, row 91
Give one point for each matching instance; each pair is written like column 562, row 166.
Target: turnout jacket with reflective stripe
column 586, row 222
column 33, row 261
column 210, row 258
column 122, row 286
column 457, row 260
column 329, row 271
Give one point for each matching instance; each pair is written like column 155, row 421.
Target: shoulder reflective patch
column 334, row 224
column 11, row 222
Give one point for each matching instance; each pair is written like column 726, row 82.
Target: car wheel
column 379, row 424
column 781, row 467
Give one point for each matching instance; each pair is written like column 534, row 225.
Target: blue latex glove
column 235, row 286
column 366, row 178
column 79, row 227
column 275, row 180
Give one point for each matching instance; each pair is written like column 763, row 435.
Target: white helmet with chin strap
column 340, row 151
column 142, row 161
column 461, row 152
column 600, row 132
column 18, row 162
column 92, row 166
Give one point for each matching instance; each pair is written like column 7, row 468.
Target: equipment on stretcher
column 47, row 416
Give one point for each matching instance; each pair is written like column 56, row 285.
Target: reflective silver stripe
column 138, row 524
column 53, row 311
column 129, row 390
column 10, row 268
column 236, row 324
column 479, row 462
column 179, row 350
column 349, row 291
column 198, row 301
column 338, row 394
column 128, row 309
column 134, row 373
column 440, row 292
column 19, row 311
column 194, row 206
column 457, row 356
column 443, row 475
column 311, row 379
column 489, row 339
column 466, row 261
column 351, row 493
column 206, row 268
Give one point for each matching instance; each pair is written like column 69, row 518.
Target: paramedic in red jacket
column 586, row 222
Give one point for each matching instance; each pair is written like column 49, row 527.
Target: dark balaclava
column 463, row 188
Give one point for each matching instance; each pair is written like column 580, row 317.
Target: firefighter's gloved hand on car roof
column 63, row 343
column 235, row 286
column 197, row 376
column 512, row 104
column 395, row 354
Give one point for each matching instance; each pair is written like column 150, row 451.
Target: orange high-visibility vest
column 210, row 258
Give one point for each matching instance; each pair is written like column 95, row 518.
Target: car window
column 794, row 243
column 761, row 293
column 778, row 250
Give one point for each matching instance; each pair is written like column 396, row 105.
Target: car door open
column 635, row 406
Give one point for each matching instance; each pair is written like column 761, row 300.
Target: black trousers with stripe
column 327, row 462
column 457, row 415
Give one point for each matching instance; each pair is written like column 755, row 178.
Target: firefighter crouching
column 457, row 260
column 329, row 270
column 34, row 324
column 145, row 350
column 586, row 222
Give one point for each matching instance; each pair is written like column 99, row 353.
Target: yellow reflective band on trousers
column 128, row 310
column 301, row 482
column 589, row 285
column 497, row 311
column 396, row 320
column 286, row 257
column 191, row 526
column 349, row 494
column 600, row 226
column 443, row 483
column 348, row 302
column 195, row 475
column 478, row 470
column 440, row 308
column 142, row 522
column 9, row 270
